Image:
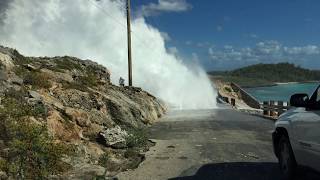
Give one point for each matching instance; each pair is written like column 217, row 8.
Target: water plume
column 96, row 30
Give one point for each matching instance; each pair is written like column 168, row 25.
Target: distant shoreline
column 279, row 83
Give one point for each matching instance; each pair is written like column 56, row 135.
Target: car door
column 307, row 129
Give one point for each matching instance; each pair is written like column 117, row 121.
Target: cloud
column 306, row 50
column 228, row 47
column 268, row 48
column 219, row 28
column 195, row 58
column 200, row 44
column 173, row 50
column 264, row 52
column 162, row 6
column 165, row 36
column 254, row 36
column 211, row 51
column 189, row 43
column 3, row 6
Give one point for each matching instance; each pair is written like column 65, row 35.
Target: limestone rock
column 35, row 95
column 58, row 76
column 84, row 109
column 3, row 75
column 62, row 130
column 6, row 61
column 79, row 116
column 3, row 175
column 15, row 79
column 86, row 171
column 31, row 67
column 114, row 137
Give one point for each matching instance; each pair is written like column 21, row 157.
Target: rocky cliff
column 101, row 125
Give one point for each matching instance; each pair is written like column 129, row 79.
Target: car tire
column 287, row 160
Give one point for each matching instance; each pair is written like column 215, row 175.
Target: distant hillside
column 267, row 74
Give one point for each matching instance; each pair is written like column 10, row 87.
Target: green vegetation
column 20, row 59
column 228, row 89
column 131, row 153
column 15, row 106
column 90, row 80
column 104, row 159
column 32, row 152
column 267, row 74
column 82, row 83
column 66, row 63
column 137, row 138
column 35, row 78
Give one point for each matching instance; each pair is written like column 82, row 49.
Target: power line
column 118, row 22
column 140, row 40
column 107, row 13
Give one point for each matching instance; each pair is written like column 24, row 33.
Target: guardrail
column 245, row 96
column 274, row 109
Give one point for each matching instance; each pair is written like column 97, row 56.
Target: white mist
column 80, row 28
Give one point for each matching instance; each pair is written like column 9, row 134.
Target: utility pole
column 129, row 44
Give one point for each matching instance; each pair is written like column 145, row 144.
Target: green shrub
column 3, row 165
column 137, row 138
column 104, row 159
column 16, row 106
column 33, row 153
column 89, row 80
column 228, row 89
column 20, row 70
column 67, row 63
column 73, row 85
column 82, row 83
column 131, row 153
column 37, row 80
column 20, row 59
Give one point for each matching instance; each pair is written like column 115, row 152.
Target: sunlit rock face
column 96, row 30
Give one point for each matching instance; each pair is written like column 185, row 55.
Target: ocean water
column 281, row 92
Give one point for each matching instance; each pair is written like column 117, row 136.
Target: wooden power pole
column 129, row 44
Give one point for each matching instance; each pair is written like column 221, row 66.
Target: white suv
column 296, row 139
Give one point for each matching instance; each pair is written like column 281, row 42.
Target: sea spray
column 96, row 30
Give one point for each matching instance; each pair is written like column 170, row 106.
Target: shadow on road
column 240, row 171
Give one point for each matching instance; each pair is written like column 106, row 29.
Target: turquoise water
column 281, row 92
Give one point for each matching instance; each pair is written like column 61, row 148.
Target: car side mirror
column 299, row 100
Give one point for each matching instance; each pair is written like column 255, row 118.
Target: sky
column 227, row 34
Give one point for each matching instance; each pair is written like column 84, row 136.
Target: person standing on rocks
column 121, row 82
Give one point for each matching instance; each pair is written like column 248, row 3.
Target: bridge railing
column 274, row 109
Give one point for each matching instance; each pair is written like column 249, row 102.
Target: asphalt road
column 220, row 144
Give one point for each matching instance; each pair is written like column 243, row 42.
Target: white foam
column 79, row 28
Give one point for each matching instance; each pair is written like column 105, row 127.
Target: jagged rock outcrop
column 80, row 105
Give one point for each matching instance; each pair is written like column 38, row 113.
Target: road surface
column 220, row 144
